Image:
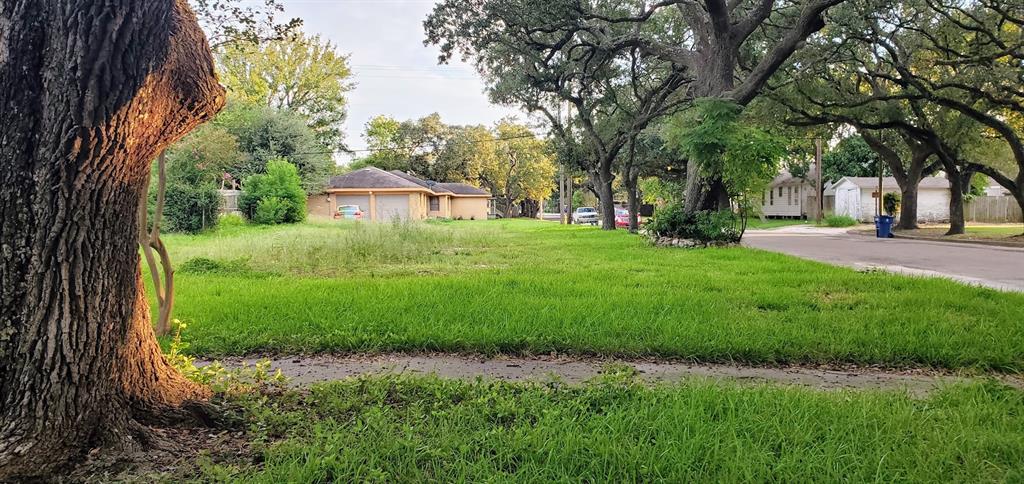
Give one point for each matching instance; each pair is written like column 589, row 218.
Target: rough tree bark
column 91, row 92
column 603, row 178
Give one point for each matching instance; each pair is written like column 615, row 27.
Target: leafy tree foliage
column 743, row 158
column 228, row 22
column 303, row 74
column 274, row 197
column 621, row 65
column 851, row 157
column 265, row 134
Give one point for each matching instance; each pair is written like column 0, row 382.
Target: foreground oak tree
column 91, row 91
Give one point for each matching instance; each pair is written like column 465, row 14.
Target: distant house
column 387, row 195
column 856, row 197
column 789, row 196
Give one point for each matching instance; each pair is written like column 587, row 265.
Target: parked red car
column 350, row 212
column 621, row 217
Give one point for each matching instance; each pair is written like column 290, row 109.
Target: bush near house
column 839, row 221
column 275, row 197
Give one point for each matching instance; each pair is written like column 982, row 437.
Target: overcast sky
column 395, row 74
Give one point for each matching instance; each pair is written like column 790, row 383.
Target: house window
column 435, row 204
column 771, row 195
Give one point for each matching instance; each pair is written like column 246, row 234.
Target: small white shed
column 855, row 197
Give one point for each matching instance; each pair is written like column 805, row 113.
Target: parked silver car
column 585, row 215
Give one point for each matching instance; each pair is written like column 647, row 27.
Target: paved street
column 996, row 267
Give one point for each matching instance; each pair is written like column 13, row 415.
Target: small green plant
column 232, row 220
column 222, row 381
column 839, row 221
column 891, row 203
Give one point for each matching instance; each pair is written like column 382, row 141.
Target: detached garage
column 857, row 197
column 389, row 195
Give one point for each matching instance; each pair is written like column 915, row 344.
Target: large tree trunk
column 91, row 92
column 606, row 198
column 908, row 206
column 956, row 202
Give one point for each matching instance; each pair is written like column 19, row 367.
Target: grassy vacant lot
column 536, row 287
column 396, row 429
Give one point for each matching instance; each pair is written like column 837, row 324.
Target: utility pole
column 879, row 188
column 561, row 195
column 820, row 196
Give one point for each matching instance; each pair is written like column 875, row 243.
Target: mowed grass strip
column 534, row 287
column 401, row 429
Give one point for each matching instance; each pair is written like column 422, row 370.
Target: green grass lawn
column 400, row 429
column 527, row 287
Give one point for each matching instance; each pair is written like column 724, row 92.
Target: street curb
column 897, row 235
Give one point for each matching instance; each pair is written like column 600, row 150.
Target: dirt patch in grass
column 307, row 370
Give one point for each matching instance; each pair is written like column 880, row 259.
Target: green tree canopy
column 265, row 133
column 300, row 73
column 851, row 157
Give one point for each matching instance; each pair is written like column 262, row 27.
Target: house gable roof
column 464, row 189
column 431, row 185
column 371, row 177
column 889, row 183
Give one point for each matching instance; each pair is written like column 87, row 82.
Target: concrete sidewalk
column 996, row 267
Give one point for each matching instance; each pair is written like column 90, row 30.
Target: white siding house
column 854, row 197
column 788, row 196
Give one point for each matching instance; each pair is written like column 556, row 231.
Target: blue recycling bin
column 883, row 226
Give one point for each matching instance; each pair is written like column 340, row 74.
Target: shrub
column 189, row 208
column 704, row 226
column 281, row 182
column 271, row 210
column 206, row 265
column 891, row 203
column 231, row 220
column 839, row 221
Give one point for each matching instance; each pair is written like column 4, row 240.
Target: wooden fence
column 230, row 204
column 993, row 210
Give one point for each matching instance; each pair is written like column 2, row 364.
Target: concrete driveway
column 996, row 267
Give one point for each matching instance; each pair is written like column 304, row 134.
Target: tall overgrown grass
column 327, row 249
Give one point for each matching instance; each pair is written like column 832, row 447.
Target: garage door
column 362, row 201
column 390, row 207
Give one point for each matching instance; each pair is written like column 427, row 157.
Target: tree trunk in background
column 908, row 206
column 92, row 91
column 956, row 202
column 606, row 198
column 529, row 208
column 634, row 204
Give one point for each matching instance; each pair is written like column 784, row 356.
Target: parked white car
column 585, row 215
